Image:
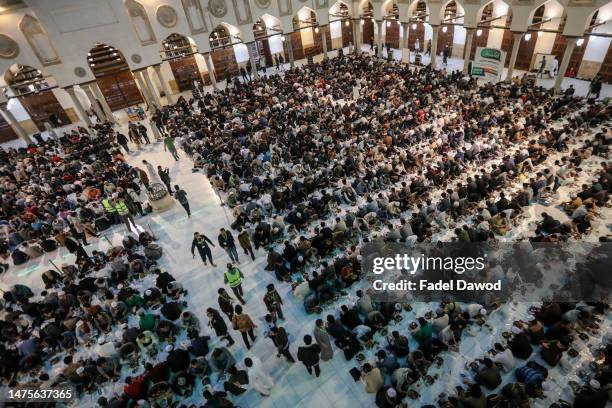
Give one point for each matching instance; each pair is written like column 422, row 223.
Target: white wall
column 241, row 52
column 63, row 98
column 598, row 46
column 335, row 29
column 276, row 44
column 17, row 110
column 496, row 35
column 546, row 41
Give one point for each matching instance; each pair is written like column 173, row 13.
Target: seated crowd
column 314, row 164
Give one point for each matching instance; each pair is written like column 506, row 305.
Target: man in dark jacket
column 226, row 241
column 273, row 302
column 281, row 341
column 178, row 359
column 489, row 375
column 201, row 241
column 123, row 141
column 164, row 175
column 308, row 354
column 520, row 344
column 181, row 197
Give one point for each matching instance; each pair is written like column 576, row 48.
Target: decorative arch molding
column 140, row 22
column 39, row 40
column 284, row 8
column 195, row 16
column 242, row 11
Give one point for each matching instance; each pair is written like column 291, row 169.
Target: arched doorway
column 180, row 52
column 416, row 31
column 306, row 37
column 35, row 94
column 227, row 50
column 268, row 40
column 392, row 25
column 540, row 37
column 597, row 46
column 485, row 24
column 340, row 26
column 367, row 23
column 446, row 35
column 113, row 76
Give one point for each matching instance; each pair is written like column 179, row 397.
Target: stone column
column 94, row 103
column 164, row 84
column 152, row 89
column 379, row 41
column 567, row 56
column 79, row 107
column 356, row 36
column 290, row 50
column 143, row 90
column 515, row 47
column 405, row 50
column 252, row 60
column 13, row 123
column 105, row 107
column 324, row 40
column 434, row 45
column 467, row 50
column 211, row 72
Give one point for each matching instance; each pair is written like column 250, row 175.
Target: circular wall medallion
column 8, row 47
column 80, row 72
column 217, row 8
column 166, row 16
column 136, row 58
column 264, row 4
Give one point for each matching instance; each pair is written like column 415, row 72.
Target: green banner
column 491, row 53
column 478, row 71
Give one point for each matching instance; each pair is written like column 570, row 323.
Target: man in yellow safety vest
column 123, row 211
column 233, row 277
column 110, row 210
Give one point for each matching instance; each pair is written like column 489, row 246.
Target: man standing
column 273, row 302
column 123, row 141
column 226, row 241
column 181, row 197
column 280, row 338
column 308, row 354
column 143, row 132
column 110, row 210
column 542, row 66
column 244, row 324
column 164, row 175
column 123, row 211
column 245, row 242
column 169, row 145
column 201, row 241
column 233, row 277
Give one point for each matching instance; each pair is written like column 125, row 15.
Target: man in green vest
column 169, row 145
column 110, row 210
column 123, row 211
column 233, row 277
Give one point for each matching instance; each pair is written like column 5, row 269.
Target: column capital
column 470, row 29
